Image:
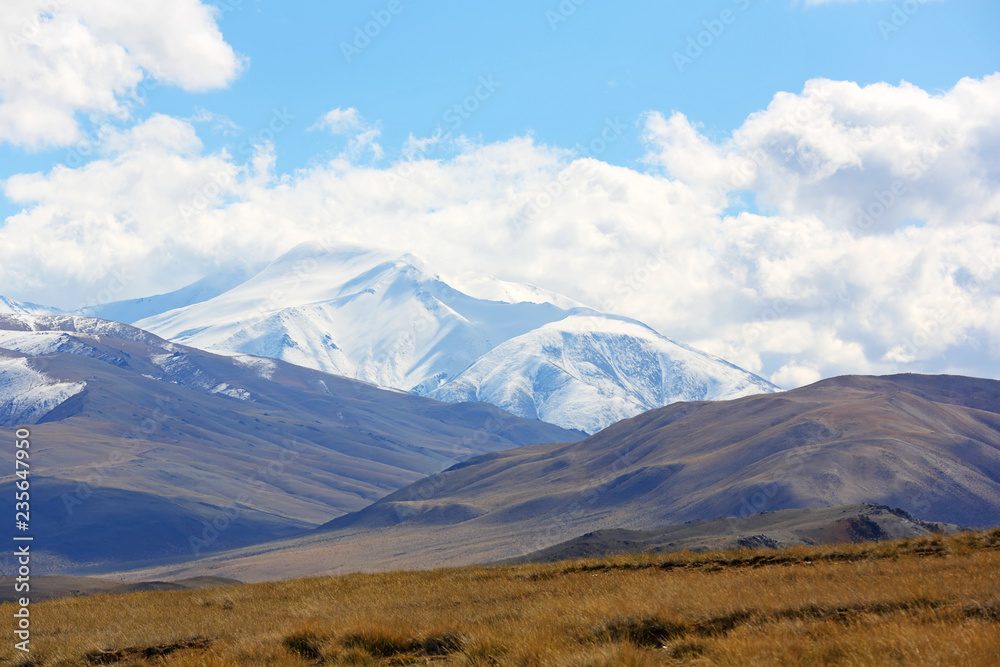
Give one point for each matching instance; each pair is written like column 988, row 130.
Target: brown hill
column 929, row 445
column 772, row 530
column 172, row 451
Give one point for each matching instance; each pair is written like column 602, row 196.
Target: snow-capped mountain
column 165, row 439
column 356, row 312
column 22, row 308
column 384, row 318
column 595, row 370
column 133, row 310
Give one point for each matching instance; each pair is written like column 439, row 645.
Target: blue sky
column 560, row 74
column 817, row 181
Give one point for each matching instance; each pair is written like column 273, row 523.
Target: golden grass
column 933, row 601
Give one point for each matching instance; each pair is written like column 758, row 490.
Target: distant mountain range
column 385, row 319
column 293, row 424
column 928, row 445
column 144, row 448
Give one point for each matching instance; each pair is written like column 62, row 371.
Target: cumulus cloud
column 795, row 289
column 864, row 159
column 339, row 121
column 88, row 56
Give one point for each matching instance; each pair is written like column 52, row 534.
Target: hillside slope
column 140, row 445
column 772, row 530
column 929, row 445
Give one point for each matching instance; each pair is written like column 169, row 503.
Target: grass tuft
column 650, row 631
column 305, row 643
column 379, row 642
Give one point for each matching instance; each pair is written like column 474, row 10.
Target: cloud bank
column 61, row 58
column 843, row 229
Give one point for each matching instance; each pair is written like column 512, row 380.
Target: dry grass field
column 929, row 601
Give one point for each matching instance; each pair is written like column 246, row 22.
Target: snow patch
column 262, row 367
column 27, row 395
column 34, row 343
column 232, row 392
column 481, row 286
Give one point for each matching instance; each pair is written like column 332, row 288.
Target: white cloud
column 339, row 121
column 794, row 291
column 864, row 159
column 793, row 375
column 220, row 123
column 88, row 56
column 145, row 206
column 363, row 135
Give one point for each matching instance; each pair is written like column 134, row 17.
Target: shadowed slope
column 162, row 444
column 927, row 445
column 773, row 530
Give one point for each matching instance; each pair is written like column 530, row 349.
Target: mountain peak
column 10, row 306
column 592, row 370
column 384, row 317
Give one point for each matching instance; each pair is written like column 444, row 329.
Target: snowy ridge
column 385, row 319
column 488, row 288
column 589, row 371
column 135, row 309
column 356, row 312
column 81, row 326
column 26, row 395
column 9, row 306
column 40, row 335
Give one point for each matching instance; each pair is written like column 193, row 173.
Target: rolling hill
column 142, row 448
column 771, row 530
column 929, row 445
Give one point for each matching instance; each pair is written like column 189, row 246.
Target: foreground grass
column 933, row 601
